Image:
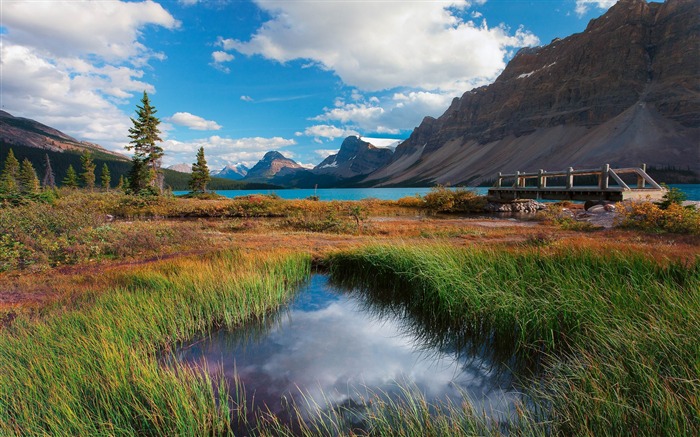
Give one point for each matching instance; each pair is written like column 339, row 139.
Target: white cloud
column 222, row 151
column 109, row 30
column 384, row 45
column 401, row 111
column 73, row 77
column 328, row 132
column 325, row 153
column 219, row 58
column 193, row 121
column 582, row 6
column 246, row 98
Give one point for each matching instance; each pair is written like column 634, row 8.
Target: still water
column 692, row 191
column 331, row 348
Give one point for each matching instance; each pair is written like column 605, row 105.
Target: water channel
column 330, row 348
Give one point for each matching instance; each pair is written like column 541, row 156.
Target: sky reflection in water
column 328, row 346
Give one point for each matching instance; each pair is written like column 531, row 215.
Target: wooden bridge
column 610, row 187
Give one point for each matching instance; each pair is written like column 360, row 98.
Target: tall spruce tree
column 144, row 136
column 49, row 177
column 88, row 173
column 28, row 180
column 105, row 177
column 9, row 179
column 71, row 179
column 200, row 173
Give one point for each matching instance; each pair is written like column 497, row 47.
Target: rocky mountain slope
column 271, row 164
column 234, row 172
column 181, row 168
column 18, row 131
column 625, row 91
column 355, row 157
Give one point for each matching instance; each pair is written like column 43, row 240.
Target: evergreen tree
column 88, row 174
column 9, row 179
column 106, row 177
column 200, row 173
column 147, row 153
column 71, row 179
column 49, row 177
column 28, row 180
column 122, row 183
column 139, row 177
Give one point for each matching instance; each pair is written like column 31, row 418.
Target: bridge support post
column 569, row 178
column 541, row 180
column 604, row 177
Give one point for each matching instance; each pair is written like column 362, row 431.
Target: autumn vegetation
column 98, row 286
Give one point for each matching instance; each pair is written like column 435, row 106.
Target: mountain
column 626, row 91
column 18, row 131
column 32, row 140
column 182, row 168
column 234, row 172
column 271, row 164
column 355, row 157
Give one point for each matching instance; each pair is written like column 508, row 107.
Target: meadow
column 601, row 325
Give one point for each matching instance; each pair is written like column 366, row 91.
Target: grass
column 616, row 335
column 92, row 369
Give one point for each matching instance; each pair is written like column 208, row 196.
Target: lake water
column 329, row 348
column 692, row 191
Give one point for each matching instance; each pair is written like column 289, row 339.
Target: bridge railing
column 605, row 173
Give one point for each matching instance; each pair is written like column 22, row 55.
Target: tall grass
column 616, row 335
column 94, row 370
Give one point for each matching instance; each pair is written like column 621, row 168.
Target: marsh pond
column 331, row 348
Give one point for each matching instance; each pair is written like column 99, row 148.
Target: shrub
column 650, row 217
column 411, row 202
column 444, row 199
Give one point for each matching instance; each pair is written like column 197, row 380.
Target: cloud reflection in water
column 328, row 346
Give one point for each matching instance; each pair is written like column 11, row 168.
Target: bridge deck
column 574, row 193
column 617, row 192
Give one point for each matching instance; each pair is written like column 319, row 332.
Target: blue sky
column 244, row 77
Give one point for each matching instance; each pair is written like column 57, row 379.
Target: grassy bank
column 90, row 367
column 617, row 334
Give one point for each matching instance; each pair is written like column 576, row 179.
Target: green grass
column 94, row 369
column 615, row 335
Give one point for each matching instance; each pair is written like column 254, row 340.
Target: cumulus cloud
column 73, row 77
column 221, row 151
column 384, row 45
column 390, row 115
column 582, row 6
column 219, row 58
column 325, row 153
column 327, row 131
column 193, row 121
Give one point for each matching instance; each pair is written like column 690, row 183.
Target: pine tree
column 71, row 179
column 122, row 183
column 106, row 177
column 9, row 179
column 147, row 153
column 28, row 180
column 49, row 177
column 88, row 174
column 200, row 173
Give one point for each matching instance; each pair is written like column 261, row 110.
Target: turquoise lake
column 692, row 191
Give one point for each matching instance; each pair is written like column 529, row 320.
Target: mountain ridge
column 625, row 92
